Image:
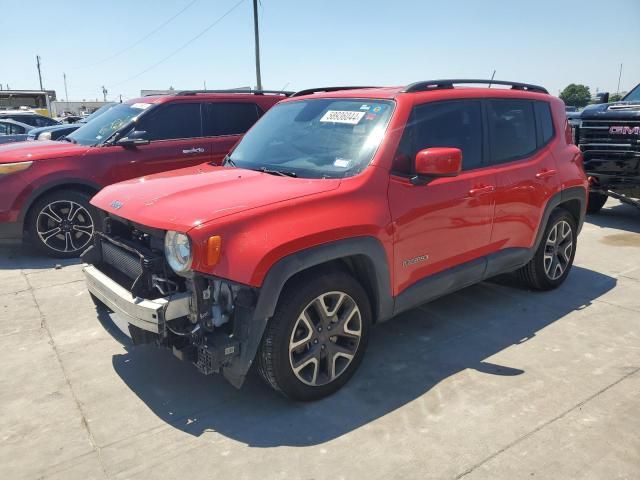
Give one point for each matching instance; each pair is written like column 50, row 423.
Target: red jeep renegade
column 45, row 187
column 342, row 207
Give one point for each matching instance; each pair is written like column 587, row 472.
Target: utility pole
column 39, row 72
column 104, row 93
column 257, row 35
column 66, row 93
column 619, row 77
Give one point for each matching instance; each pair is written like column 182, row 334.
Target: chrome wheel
column 325, row 338
column 64, row 226
column 558, row 250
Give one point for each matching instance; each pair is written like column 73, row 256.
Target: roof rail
column 309, row 91
column 245, row 91
column 448, row 83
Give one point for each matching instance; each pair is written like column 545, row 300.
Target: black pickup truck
column 609, row 136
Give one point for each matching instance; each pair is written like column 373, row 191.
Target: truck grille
column 607, row 153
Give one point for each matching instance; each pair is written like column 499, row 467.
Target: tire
column 322, row 363
column 596, row 202
column 553, row 259
column 61, row 224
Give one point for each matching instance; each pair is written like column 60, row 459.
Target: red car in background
column 45, row 187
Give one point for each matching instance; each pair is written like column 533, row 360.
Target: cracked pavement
column 490, row 382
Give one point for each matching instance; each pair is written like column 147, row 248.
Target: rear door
column 526, row 176
column 224, row 124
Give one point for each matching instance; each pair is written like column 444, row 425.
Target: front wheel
column 596, row 202
column 317, row 337
column 61, row 224
column 553, row 259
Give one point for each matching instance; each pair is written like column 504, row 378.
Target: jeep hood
column 183, row 199
column 40, row 150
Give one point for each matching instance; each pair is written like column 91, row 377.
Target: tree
column 576, row 95
column 616, row 97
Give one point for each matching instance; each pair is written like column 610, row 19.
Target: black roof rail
column 245, row 91
column 309, row 91
column 448, row 83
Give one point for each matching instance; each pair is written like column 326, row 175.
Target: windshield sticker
column 141, row 106
column 377, row 109
column 370, row 116
column 365, row 107
column 342, row 116
column 342, row 163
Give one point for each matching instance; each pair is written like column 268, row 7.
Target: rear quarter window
column 545, row 122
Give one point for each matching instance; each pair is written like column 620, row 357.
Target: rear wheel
column 553, row 260
column 62, row 223
column 596, row 202
column 317, row 337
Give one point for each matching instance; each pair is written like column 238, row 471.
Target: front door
column 446, row 222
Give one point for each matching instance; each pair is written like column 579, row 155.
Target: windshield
column 97, row 113
column 633, row 95
column 322, row 138
column 102, row 127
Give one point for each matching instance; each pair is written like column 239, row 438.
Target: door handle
column 191, row 151
column 474, row 192
column 545, row 173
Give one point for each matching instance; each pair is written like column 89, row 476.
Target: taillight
column 569, row 133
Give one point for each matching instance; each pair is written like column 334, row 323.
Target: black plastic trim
column 449, row 83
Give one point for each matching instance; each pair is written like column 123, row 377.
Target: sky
column 143, row 44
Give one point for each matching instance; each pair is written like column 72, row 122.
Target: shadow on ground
column 23, row 256
column 406, row 357
column 619, row 216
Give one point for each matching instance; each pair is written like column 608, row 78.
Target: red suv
column 45, row 187
column 339, row 209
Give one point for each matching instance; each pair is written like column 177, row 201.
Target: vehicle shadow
column 407, row 356
column 619, row 216
column 23, row 256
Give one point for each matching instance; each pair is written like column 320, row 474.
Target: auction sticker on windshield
column 342, row 116
column 141, row 106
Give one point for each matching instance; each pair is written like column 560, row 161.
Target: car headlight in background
column 44, row 136
column 177, row 250
column 7, row 168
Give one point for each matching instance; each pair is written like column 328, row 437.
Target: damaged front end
column 203, row 320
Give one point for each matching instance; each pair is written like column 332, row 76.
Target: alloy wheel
column 64, row 226
column 325, row 338
column 558, row 250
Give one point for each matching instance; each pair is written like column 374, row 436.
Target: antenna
column 491, row 81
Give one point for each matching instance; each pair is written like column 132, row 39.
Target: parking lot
column 491, row 382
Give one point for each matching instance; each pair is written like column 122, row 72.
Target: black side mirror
column 602, row 97
column 134, row 139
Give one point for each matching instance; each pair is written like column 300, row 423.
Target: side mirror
column 437, row 162
column 602, row 97
column 134, row 139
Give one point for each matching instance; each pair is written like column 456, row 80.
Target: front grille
column 120, row 259
column 607, row 153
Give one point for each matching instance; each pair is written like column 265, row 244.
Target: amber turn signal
column 213, row 250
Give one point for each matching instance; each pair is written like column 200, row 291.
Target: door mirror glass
column 438, row 162
column 135, row 138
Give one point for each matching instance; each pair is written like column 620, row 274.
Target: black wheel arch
column 75, row 184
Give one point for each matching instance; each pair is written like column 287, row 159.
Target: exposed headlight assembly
column 7, row 168
column 177, row 250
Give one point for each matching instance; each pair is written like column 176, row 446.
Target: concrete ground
column 491, row 382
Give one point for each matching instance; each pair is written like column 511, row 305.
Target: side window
column 456, row 124
column 176, row 120
column 28, row 119
column 229, row 118
column 545, row 122
column 4, row 128
column 512, row 129
column 43, row 121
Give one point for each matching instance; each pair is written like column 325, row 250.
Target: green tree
column 615, row 97
column 576, row 95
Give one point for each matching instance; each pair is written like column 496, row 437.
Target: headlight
column 6, row 168
column 44, row 136
column 177, row 250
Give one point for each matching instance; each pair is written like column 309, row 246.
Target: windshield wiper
column 228, row 161
column 277, row 172
column 70, row 140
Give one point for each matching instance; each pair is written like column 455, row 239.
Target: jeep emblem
column 116, row 204
column 624, row 130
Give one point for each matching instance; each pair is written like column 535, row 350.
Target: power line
column 182, row 47
column 139, row 41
